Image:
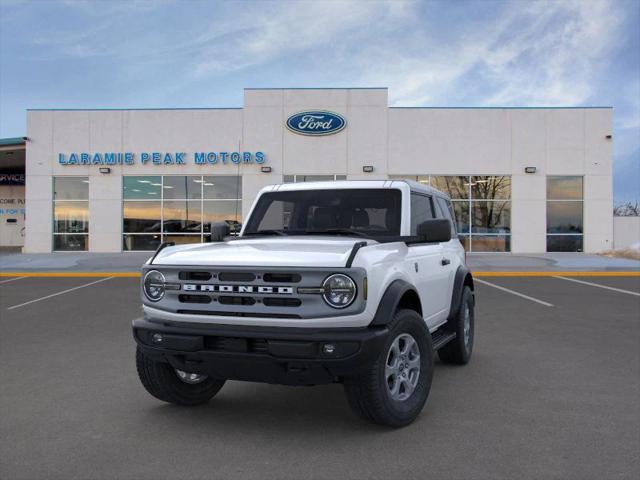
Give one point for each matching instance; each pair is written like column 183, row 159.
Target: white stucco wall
column 626, row 232
column 395, row 141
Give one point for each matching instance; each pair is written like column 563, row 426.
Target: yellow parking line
column 475, row 274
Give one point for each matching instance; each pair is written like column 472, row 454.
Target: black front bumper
column 289, row 356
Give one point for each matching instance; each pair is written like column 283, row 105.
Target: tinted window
column 446, row 211
column 421, row 210
column 369, row 211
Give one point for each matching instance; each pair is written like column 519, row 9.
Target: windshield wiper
column 338, row 231
column 279, row 233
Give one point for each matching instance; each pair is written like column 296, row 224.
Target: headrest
column 360, row 218
column 322, row 219
column 392, row 220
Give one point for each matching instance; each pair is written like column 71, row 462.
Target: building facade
column 524, row 180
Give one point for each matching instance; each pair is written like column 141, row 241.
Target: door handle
column 445, row 261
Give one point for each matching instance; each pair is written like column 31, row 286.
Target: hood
column 311, row 251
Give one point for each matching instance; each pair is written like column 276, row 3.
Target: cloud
column 537, row 53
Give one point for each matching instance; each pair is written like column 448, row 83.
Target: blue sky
column 70, row 54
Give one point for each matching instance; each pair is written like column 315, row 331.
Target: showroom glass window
column 177, row 208
column 564, row 214
column 312, row 178
column 482, row 208
column 70, row 213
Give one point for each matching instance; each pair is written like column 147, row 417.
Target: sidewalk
column 478, row 262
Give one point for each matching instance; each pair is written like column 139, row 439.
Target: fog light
column 156, row 338
column 328, row 348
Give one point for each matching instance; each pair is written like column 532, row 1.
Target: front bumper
column 289, row 356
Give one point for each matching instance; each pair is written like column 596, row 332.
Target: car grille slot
column 237, row 314
column 282, row 302
column 231, row 344
column 228, row 300
column 195, row 276
column 282, row 277
column 236, row 276
column 194, row 299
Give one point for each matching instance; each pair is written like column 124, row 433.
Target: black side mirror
column 435, row 230
column 219, row 230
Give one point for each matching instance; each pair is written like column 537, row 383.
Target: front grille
column 282, row 302
column 194, row 299
column 281, row 277
column 231, row 344
column 195, row 276
column 227, row 300
column 236, row 277
column 238, row 314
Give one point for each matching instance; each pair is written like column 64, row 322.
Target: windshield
column 359, row 212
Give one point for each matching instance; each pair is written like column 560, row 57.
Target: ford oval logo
column 316, row 123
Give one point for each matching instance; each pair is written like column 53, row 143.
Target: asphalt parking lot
column 552, row 392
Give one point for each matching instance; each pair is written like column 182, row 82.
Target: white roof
column 346, row 184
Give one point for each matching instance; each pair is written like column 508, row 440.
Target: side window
column 446, row 210
column 421, row 210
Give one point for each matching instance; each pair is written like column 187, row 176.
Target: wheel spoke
column 402, row 368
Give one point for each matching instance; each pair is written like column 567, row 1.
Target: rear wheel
column 393, row 390
column 458, row 351
column 175, row 386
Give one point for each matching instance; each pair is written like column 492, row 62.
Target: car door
column 453, row 254
column 424, row 264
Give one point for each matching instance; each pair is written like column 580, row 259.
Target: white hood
column 293, row 251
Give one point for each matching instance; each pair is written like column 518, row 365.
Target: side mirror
column 219, row 230
column 435, row 230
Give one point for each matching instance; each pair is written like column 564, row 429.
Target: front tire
column 173, row 386
column 393, row 390
column 458, row 351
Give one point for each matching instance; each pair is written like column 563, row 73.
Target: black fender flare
column 463, row 277
column 389, row 302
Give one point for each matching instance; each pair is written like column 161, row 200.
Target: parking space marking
column 59, row 293
column 513, row 292
column 620, row 290
column 12, row 280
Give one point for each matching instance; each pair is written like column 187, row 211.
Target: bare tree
column 628, row 209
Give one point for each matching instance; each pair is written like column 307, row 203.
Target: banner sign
column 160, row 158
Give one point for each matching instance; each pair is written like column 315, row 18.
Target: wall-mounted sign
column 11, row 178
column 316, row 122
column 160, row 158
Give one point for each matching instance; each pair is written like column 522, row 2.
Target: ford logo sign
column 316, row 123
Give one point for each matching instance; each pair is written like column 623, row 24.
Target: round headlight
column 339, row 290
column 153, row 285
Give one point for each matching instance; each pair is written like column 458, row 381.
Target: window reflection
column 141, row 187
column 564, row 188
column 140, row 217
column 71, row 188
column 182, row 216
column 222, row 187
column 63, row 243
column 140, row 242
column 564, row 217
column 491, row 217
column 490, row 187
column 182, row 187
column 491, row 243
column 564, row 243
column 221, row 211
column 455, row 186
column 71, row 217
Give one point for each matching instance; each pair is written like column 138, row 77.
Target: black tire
column 368, row 393
column 458, row 351
column 161, row 380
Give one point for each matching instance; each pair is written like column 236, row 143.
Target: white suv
column 356, row 282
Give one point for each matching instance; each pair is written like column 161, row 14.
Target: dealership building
column 525, row 180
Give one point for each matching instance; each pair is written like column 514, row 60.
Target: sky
column 126, row 54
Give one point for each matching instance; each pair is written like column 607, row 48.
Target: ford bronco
column 355, row 282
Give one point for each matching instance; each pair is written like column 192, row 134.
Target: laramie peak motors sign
column 316, row 122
